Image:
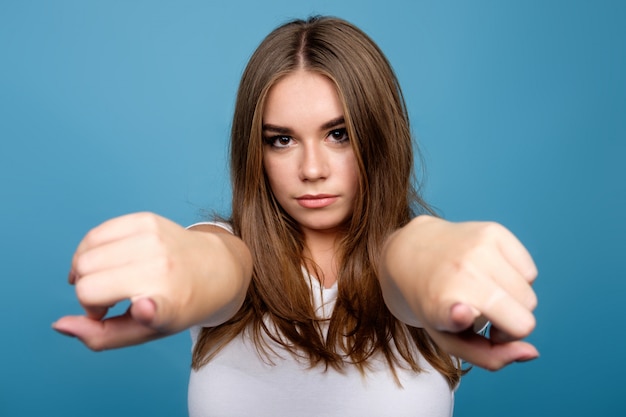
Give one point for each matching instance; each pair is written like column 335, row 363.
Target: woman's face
column 307, row 154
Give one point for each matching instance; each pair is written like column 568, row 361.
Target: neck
column 320, row 249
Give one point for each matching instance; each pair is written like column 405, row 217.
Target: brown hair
column 378, row 126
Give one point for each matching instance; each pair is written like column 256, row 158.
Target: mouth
column 317, row 200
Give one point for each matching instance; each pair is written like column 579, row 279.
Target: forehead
column 302, row 95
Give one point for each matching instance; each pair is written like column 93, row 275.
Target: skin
column 174, row 277
column 446, row 277
column 449, row 277
column 309, row 161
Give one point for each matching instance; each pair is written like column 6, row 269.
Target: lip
column 317, row 200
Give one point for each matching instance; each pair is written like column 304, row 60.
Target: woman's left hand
column 447, row 277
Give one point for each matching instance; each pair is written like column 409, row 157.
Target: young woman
column 332, row 289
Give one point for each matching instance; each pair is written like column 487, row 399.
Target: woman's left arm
column 447, row 277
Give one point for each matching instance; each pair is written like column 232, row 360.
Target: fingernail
column 526, row 358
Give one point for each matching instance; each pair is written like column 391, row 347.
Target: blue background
column 119, row 106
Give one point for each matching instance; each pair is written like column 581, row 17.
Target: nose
column 314, row 162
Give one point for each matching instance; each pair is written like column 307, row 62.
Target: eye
column 278, row 141
column 339, row 135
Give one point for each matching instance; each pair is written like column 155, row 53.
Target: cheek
column 351, row 172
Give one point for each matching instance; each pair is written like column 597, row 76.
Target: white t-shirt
column 239, row 382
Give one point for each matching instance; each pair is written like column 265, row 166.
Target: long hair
column 377, row 123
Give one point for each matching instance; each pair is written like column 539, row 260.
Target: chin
column 323, row 225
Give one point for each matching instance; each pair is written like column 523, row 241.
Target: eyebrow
column 338, row 121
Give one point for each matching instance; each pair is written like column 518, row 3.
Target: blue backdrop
column 119, row 106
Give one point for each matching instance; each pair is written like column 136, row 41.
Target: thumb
column 154, row 312
column 144, row 310
column 110, row 333
column 457, row 318
column 87, row 330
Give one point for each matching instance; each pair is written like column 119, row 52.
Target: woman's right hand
column 174, row 278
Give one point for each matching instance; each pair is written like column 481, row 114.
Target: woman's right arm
column 175, row 278
column 450, row 277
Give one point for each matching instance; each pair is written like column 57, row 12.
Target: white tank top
column 239, row 382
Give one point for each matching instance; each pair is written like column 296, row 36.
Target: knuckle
column 531, row 274
column 148, row 220
column 463, row 265
column 91, row 237
column 469, row 260
column 95, row 344
column 155, row 242
column 526, row 327
column 84, row 292
column 81, row 264
column 490, row 231
column 494, row 364
column 532, row 301
column 152, row 244
column 163, row 266
column 493, row 228
column 522, row 328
